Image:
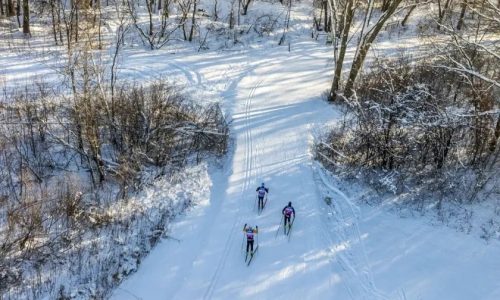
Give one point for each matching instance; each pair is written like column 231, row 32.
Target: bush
column 418, row 125
column 52, row 213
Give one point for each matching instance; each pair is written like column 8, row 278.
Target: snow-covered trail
column 275, row 103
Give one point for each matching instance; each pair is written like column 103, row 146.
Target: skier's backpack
column 262, row 192
column 288, row 211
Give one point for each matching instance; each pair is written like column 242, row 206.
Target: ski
column 264, row 203
column 290, row 228
column 261, row 208
column 251, row 255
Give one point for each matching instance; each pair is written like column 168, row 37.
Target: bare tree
column 155, row 36
column 463, row 8
column 10, row 9
column 246, row 4
column 442, row 11
column 193, row 22
column 346, row 12
column 366, row 42
column 407, row 16
column 26, row 18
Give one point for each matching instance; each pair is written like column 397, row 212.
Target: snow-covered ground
column 275, row 103
column 345, row 250
column 337, row 251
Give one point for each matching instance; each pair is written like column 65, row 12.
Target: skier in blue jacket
column 261, row 193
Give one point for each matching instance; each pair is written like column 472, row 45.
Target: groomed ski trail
column 274, row 100
column 275, row 103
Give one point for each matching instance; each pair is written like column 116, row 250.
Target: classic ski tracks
column 249, row 163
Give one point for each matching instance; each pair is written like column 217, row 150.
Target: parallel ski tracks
column 249, row 169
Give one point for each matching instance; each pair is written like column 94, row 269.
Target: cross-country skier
column 250, row 233
column 261, row 192
column 287, row 213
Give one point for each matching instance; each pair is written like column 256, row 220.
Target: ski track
column 249, row 162
column 273, row 97
column 356, row 265
column 145, row 71
column 260, row 111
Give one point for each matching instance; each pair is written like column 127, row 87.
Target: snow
column 339, row 251
column 409, row 259
column 273, row 110
column 342, row 250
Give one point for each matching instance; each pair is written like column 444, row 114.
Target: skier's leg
column 251, row 246
column 248, row 245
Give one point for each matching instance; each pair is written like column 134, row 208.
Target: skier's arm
column 267, row 190
column 256, row 230
column 293, row 210
column 245, row 227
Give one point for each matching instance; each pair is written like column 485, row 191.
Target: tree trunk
column 59, row 22
column 496, row 136
column 365, row 46
column 245, row 7
column 348, row 14
column 385, row 5
column 405, row 19
column 77, row 20
column 99, row 25
column 149, row 4
column 18, row 12
column 216, row 16
column 26, row 18
column 325, row 9
column 2, row 12
column 10, row 9
column 53, row 15
column 462, row 15
column 193, row 20
column 166, row 8
column 442, row 12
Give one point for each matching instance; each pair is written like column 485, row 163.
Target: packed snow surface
column 337, row 251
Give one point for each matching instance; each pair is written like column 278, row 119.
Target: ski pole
column 277, row 231
column 290, row 228
column 257, row 234
column 242, row 241
column 243, row 238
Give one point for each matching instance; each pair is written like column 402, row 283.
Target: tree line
column 424, row 126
